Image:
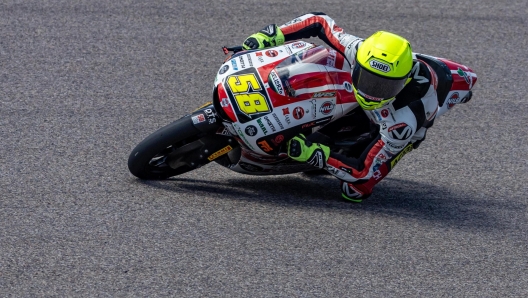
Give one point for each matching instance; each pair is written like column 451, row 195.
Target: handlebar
column 235, row 49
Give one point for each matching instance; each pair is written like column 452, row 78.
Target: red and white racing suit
column 402, row 123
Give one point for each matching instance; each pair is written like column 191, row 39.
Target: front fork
column 215, row 142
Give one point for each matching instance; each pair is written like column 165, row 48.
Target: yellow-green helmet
column 382, row 65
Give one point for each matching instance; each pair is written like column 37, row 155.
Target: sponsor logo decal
column 336, row 172
column 264, row 130
column 385, row 113
column 296, row 20
column 224, row 102
column 251, row 130
column 298, row 113
column 223, row 69
column 278, row 121
column 376, row 115
column 379, row 65
column 327, row 107
column 453, row 99
column 369, row 97
column 242, row 63
column 400, row 131
column 348, row 87
column 397, row 126
column 198, row 118
column 233, row 62
column 271, row 53
column 298, row 45
column 269, row 123
column 249, row 60
column 276, row 82
column 396, row 159
column 210, row 116
column 415, row 74
column 220, row 152
column 240, row 134
column 337, row 29
column 317, row 159
column 279, row 139
column 269, row 31
column 323, row 94
column 285, row 113
column 331, row 59
column 265, row 146
column 464, row 75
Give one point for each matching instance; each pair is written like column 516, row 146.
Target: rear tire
column 150, row 159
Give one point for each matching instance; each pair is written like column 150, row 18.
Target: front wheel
column 172, row 150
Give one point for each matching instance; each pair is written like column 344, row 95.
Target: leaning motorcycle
column 263, row 98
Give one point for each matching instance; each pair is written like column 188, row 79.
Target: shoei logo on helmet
column 379, row 66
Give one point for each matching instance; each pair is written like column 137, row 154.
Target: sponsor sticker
column 407, row 149
column 348, row 87
column 265, row 146
column 249, row 60
column 397, row 126
column 223, row 69
column 327, row 107
column 464, row 75
column 270, row 124
column 323, row 94
column 220, row 152
column 453, row 99
column 224, row 102
column 298, row 113
column 400, row 131
column 278, row 121
column 264, row 130
column 384, row 113
column 271, row 53
column 331, row 59
column 276, row 82
column 233, row 62
column 379, row 65
column 251, row 130
column 198, row 118
column 298, row 45
column 242, row 63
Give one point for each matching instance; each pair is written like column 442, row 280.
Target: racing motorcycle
column 263, row 98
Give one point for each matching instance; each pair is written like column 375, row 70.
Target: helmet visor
column 374, row 87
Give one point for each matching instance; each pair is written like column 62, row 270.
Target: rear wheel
column 172, row 150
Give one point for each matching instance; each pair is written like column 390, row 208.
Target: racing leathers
column 402, row 123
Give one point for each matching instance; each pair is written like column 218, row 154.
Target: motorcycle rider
column 396, row 91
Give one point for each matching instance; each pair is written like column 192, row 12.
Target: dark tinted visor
column 373, row 86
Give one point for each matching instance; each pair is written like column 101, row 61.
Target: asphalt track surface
column 82, row 82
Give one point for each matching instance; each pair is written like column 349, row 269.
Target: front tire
column 168, row 152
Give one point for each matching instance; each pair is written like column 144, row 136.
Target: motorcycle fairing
column 277, row 93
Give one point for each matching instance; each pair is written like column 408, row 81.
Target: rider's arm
column 320, row 25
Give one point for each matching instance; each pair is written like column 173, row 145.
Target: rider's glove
column 269, row 36
column 300, row 149
column 355, row 192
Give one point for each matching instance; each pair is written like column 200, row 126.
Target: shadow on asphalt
column 392, row 197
